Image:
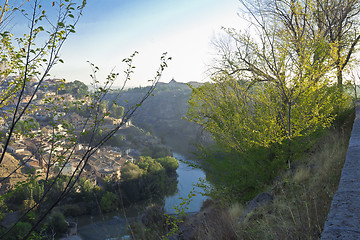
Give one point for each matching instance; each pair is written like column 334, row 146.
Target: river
column 187, row 177
column 114, row 224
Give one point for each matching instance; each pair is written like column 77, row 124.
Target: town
column 53, row 137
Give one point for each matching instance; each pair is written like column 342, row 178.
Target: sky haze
column 111, row 30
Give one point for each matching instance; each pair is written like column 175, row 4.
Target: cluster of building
column 49, row 150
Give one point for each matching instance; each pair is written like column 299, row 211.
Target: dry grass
column 235, row 211
column 301, row 175
column 302, row 198
column 213, row 223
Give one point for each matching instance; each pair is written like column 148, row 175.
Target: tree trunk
column 289, row 133
column 339, row 75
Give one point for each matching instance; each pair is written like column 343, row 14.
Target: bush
column 73, row 210
column 169, row 163
column 159, row 151
column 31, row 217
column 3, row 209
column 130, row 171
column 156, row 151
column 19, row 231
column 240, row 176
column 154, row 167
column 109, row 202
column 57, row 222
column 149, row 165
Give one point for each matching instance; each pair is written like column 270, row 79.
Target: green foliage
column 149, row 165
column 154, row 167
column 241, row 118
column 76, row 88
column 254, row 139
column 169, row 163
column 56, row 221
column 273, row 94
column 117, row 111
column 26, row 126
column 85, row 185
column 67, row 124
column 148, row 178
column 109, row 202
column 156, row 151
column 154, row 177
column 241, row 176
column 74, row 210
column 3, row 208
column 145, row 162
column 19, row 231
column 130, row 171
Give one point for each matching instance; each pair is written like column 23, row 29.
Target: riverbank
column 114, row 224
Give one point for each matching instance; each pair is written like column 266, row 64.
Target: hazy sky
column 111, row 30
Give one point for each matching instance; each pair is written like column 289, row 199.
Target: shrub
column 149, row 165
column 73, row 210
column 169, row 163
column 130, row 171
column 109, row 202
column 57, row 222
column 19, row 231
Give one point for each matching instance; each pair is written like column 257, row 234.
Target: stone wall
column 343, row 221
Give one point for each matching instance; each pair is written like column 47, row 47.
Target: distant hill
column 162, row 114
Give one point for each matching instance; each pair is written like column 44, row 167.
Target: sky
column 111, row 30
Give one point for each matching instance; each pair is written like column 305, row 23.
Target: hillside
column 162, row 114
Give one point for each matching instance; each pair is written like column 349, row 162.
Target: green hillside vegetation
column 275, row 107
column 149, row 178
column 301, row 196
column 273, row 94
column 162, row 114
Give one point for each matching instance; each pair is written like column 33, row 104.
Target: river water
column 187, row 177
column 114, row 224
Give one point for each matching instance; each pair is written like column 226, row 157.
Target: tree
column 130, row 172
column 19, row 230
column 272, row 83
column 338, row 22
column 109, row 202
column 117, row 111
column 57, row 222
column 26, row 126
column 76, row 88
column 169, row 163
column 26, row 71
column 334, row 21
